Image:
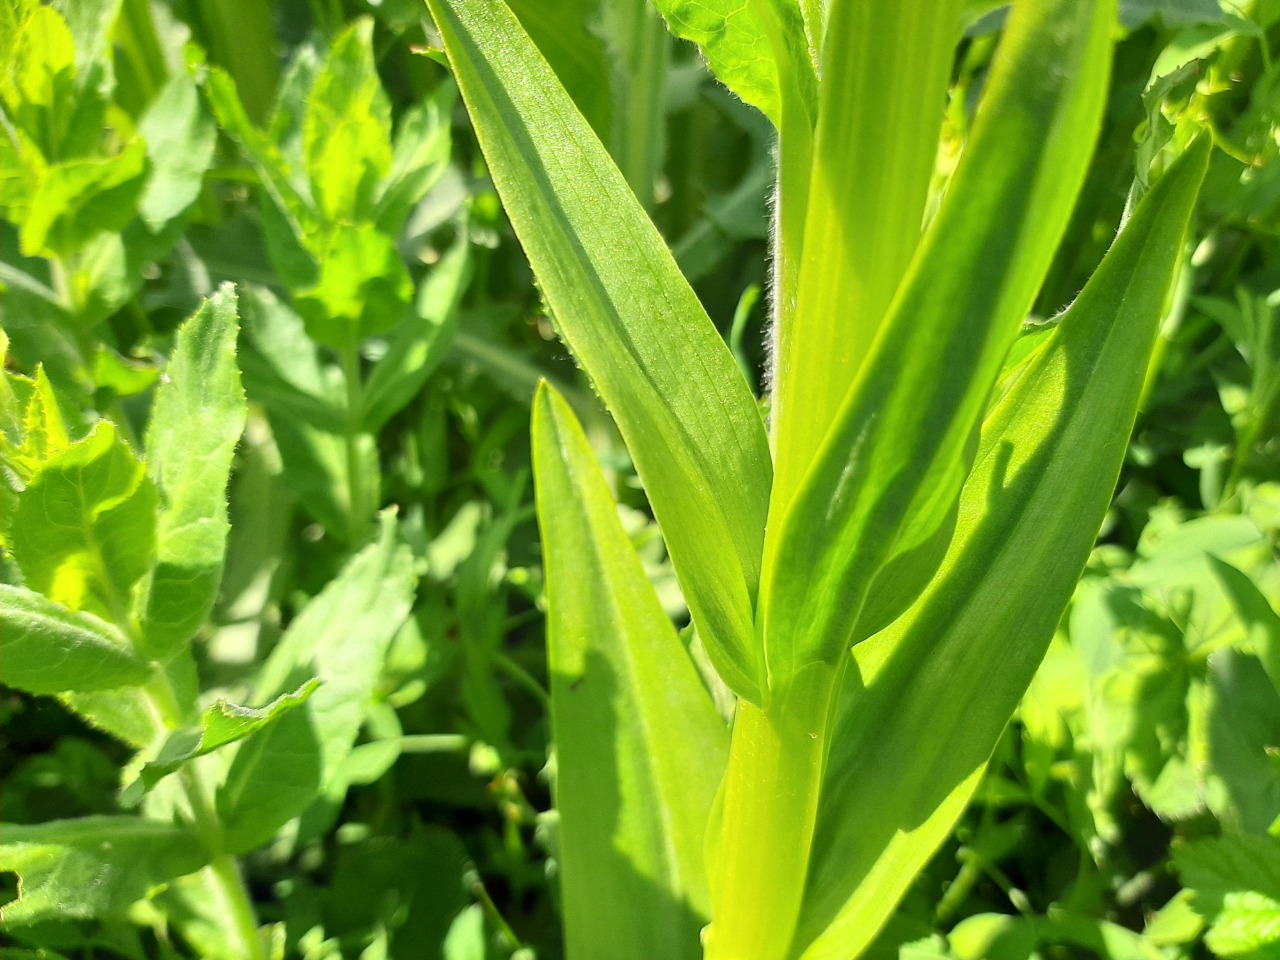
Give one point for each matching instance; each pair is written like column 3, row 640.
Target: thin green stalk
column 640, row 118
column 358, row 492
column 770, row 804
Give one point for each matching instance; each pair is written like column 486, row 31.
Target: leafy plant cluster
column 272, row 599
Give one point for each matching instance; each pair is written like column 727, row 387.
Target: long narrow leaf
column 885, row 482
column 640, row 747
column 932, row 694
column 632, row 321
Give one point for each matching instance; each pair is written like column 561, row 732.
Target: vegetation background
column 382, row 532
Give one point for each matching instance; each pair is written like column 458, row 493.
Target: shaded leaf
column 340, row 637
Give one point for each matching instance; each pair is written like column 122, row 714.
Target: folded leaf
column 196, row 422
column 46, row 648
column 640, row 747
column 928, row 698
column 888, row 474
column 631, row 320
column 341, row 637
column 93, row 866
column 220, row 724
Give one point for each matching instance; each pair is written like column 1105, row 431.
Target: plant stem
column 758, row 868
column 357, row 490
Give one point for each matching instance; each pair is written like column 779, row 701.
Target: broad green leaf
column 220, row 724
column 881, row 106
column 347, row 130
column 76, row 200
column 887, row 476
column 927, row 699
column 362, row 288
column 180, row 135
column 748, row 43
column 340, row 637
column 421, row 342
column 632, row 322
column 200, row 397
column 46, row 648
column 93, row 866
column 640, row 747
column 84, row 528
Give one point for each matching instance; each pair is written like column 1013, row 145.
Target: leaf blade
column 949, row 664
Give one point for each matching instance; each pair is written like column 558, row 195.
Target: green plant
column 875, row 577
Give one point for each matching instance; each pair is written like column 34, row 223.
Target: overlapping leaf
column 46, row 648
column 196, row 422
column 930, row 696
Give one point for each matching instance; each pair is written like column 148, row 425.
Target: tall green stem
column 358, row 491
column 770, row 805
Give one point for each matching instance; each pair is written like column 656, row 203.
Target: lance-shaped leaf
column 196, row 423
column 640, row 747
column 882, row 100
column 47, row 648
column 886, row 479
column 631, row 320
column 93, row 866
column 929, row 697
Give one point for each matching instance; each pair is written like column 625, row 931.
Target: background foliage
column 380, row 536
